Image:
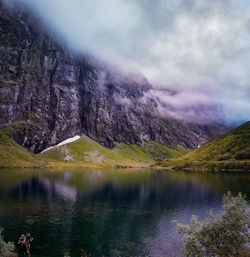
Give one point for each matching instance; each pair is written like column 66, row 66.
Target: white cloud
column 191, row 46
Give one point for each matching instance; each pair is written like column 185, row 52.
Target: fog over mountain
column 198, row 49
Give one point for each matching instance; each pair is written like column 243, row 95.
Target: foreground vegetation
column 226, row 235
column 6, row 248
column 229, row 152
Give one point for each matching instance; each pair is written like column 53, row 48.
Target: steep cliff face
column 48, row 94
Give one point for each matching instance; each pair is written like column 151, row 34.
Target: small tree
column 6, row 248
column 225, row 235
column 26, row 239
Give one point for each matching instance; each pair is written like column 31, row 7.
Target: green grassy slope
column 150, row 152
column 13, row 155
column 85, row 150
column 230, row 151
column 133, row 152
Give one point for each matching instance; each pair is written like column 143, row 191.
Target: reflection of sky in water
column 111, row 212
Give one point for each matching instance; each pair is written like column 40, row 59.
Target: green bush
column 224, row 157
column 243, row 154
column 225, row 235
column 6, row 248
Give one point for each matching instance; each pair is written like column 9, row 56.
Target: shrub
column 224, row 157
column 6, row 248
column 243, row 154
column 25, row 240
column 225, row 235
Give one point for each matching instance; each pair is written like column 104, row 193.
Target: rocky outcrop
column 48, row 94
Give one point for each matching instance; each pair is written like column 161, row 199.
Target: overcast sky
column 200, row 48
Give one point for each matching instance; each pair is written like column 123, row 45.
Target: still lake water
column 108, row 212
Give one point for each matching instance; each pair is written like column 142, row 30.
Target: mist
column 200, row 49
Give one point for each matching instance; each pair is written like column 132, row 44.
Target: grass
column 150, row 152
column 85, row 151
column 133, row 152
column 13, row 155
column 159, row 151
column 230, row 152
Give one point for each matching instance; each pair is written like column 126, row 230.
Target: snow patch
column 47, row 149
column 67, row 141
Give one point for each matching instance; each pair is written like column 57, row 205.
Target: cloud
column 198, row 48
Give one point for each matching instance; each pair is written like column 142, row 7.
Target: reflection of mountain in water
column 154, row 190
column 110, row 213
column 43, row 187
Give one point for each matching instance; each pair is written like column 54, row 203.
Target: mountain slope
column 48, row 94
column 85, row 150
column 230, row 151
column 150, row 152
column 13, row 155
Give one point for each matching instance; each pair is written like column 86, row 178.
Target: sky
column 199, row 48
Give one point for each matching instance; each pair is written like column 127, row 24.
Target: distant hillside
column 13, row 155
column 85, row 150
column 150, row 152
column 230, row 151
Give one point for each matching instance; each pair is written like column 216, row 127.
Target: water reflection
column 108, row 212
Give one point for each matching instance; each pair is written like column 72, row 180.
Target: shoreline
column 83, row 166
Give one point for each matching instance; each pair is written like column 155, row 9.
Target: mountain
column 49, row 94
column 230, row 151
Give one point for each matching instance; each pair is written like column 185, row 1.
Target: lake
column 108, row 212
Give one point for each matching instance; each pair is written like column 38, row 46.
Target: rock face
column 48, row 94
